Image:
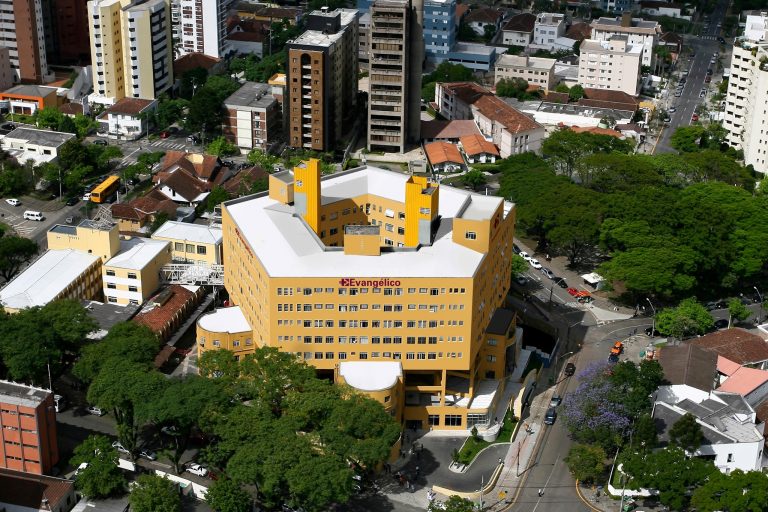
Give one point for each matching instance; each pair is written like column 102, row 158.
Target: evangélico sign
column 373, row 283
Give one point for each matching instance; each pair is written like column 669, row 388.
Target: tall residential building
column 27, row 429
column 322, row 79
column 200, row 26
column 387, row 282
column 131, row 49
column 66, row 31
column 397, row 55
column 637, row 30
column 22, row 31
column 613, row 64
column 253, row 117
column 747, row 98
column 439, row 29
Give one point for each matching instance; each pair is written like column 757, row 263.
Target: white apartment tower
column 613, row 65
column 200, row 26
column 637, row 30
column 745, row 119
column 131, row 49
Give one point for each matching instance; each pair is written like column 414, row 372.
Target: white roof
column 485, row 391
column 370, row 375
column 593, row 278
column 46, row 278
column 189, row 232
column 136, row 253
column 230, row 320
column 287, row 248
column 756, row 28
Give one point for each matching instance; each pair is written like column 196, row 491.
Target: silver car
column 548, row 273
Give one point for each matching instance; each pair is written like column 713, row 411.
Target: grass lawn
column 473, row 446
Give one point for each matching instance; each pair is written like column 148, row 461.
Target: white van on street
column 33, row 215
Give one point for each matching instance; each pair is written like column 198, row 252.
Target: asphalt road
column 704, row 47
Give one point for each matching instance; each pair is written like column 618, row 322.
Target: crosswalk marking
column 169, row 145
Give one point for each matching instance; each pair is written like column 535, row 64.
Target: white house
column 518, row 31
column 658, row 8
column 126, row 119
column 28, row 143
column 482, row 17
column 732, row 437
column 547, row 29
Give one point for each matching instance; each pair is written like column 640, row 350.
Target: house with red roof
column 28, row 492
column 127, row 119
column 479, row 150
column 481, row 17
column 134, row 216
column 188, row 178
column 444, row 157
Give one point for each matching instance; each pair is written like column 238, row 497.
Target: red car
column 573, row 291
column 164, row 134
column 695, row 117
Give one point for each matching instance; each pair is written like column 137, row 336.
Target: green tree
column 205, row 112
column 686, row 433
column 153, row 493
column 69, row 322
column 448, row 72
column 191, row 80
column 160, row 219
column 645, row 434
column 688, row 318
column 225, row 495
column 220, row 147
column 561, row 87
column 586, row 462
column 15, row 252
column 735, row 492
column 14, row 180
column 84, row 125
column 125, row 341
column 512, row 88
column 148, row 160
column 687, row 138
column 217, row 196
column 102, row 477
column 737, row 311
column 474, row 178
column 428, row 92
column 519, row 265
column 263, row 159
column 452, row 504
column 576, row 92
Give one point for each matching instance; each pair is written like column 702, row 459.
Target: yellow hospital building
column 387, row 282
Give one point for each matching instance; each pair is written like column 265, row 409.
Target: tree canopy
column 153, row 493
column 687, row 319
column 102, row 477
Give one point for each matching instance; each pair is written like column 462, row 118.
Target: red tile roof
column 524, row 22
column 477, row 145
column 596, row 130
column 141, row 208
column 735, row 344
column 183, row 183
column 161, row 318
column 461, row 10
column 579, row 31
column 130, row 106
column 483, row 15
column 440, row 129
column 241, row 181
column 501, row 112
column 31, row 491
column 602, row 98
column 197, row 164
column 441, row 152
column 192, row 61
column 71, row 109
column 557, row 97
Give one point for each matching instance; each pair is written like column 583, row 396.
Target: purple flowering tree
column 592, row 413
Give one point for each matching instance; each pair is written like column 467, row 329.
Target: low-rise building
column 518, row 31
column 40, row 146
column 191, row 243
column 659, row 8
column 253, row 117
column 479, row 150
column 248, row 37
column 444, row 157
column 27, row 430
column 481, row 17
column 133, row 274
column 25, row 492
column 536, row 71
column 127, row 119
column 268, row 13
column 27, row 99
column 477, row 57
column 448, row 131
column 510, row 130
column 166, row 311
column 579, row 31
column 188, row 178
column 134, row 216
column 225, row 328
column 613, row 64
column 737, row 345
column 546, row 30
column 88, row 237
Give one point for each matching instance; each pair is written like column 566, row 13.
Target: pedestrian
column 496, row 419
column 501, row 461
column 541, row 493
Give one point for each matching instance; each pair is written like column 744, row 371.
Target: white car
column 148, row 454
column 82, row 467
column 197, row 469
column 535, row 263
column 13, row 202
column 87, row 197
column 119, row 447
column 525, row 256
column 96, row 411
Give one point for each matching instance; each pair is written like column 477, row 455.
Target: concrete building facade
column 27, row 429
column 7, row 74
column 548, row 27
column 439, row 29
column 534, row 70
column 133, row 274
column 200, row 26
column 131, row 49
column 253, row 117
column 638, row 32
column 322, row 79
column 613, row 65
column 23, row 33
column 346, row 270
column 747, row 97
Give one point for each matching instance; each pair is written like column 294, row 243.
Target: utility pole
column 653, row 325
column 759, row 296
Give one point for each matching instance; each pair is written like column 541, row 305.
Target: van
column 32, row 215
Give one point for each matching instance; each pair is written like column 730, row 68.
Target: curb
column 584, row 500
column 476, row 494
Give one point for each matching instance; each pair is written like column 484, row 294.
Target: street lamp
column 653, row 325
column 759, row 296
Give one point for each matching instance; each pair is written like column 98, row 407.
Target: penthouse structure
column 322, row 79
column 27, row 429
column 385, row 281
column 638, row 32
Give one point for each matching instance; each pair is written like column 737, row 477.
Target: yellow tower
column 306, row 192
column 421, row 205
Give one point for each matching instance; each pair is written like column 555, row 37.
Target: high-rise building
column 613, row 64
column 27, row 429
column 22, row 31
column 131, row 49
column 747, row 98
column 439, row 29
column 200, row 26
column 396, row 62
column 322, row 79
column 66, row 31
column 638, row 32
column 388, row 282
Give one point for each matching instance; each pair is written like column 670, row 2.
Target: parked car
column 164, row 134
column 678, row 94
column 521, row 280
column 650, row 332
column 672, row 110
column 715, row 304
column 708, row 79
column 709, row 71
column 100, row 142
column 548, row 273
column 515, row 249
column 72, row 201
column 13, row 202
column 555, row 401
column 148, row 454
column 721, row 323
column 197, row 469
column 525, row 256
column 570, row 369
column 86, row 196
column 96, row 411
column 551, row 416
column 561, row 282
column 119, row 447
column 613, row 358
column 721, row 40
column 573, row 292
column 695, row 117
column 535, row 263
